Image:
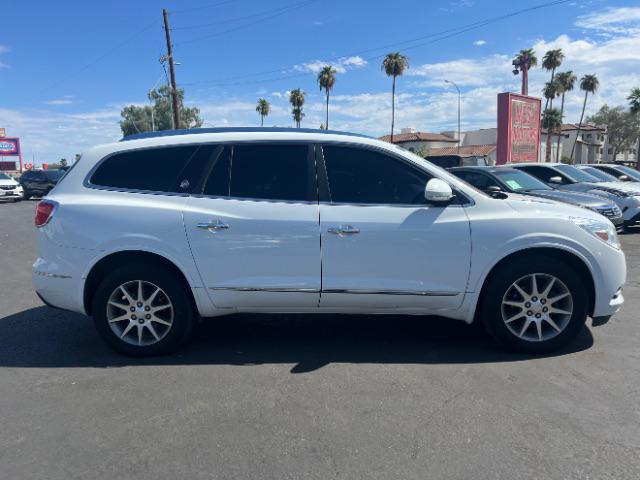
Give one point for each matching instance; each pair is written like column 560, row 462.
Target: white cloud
column 621, row 21
column 3, row 49
column 66, row 100
column 341, row 65
column 479, row 43
column 465, row 72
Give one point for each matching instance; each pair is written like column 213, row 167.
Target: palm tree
column 551, row 121
column 326, row 80
column 394, row 65
column 296, row 98
column 588, row 84
column 550, row 91
column 263, row 108
column 565, row 83
column 552, row 60
column 524, row 61
column 634, row 107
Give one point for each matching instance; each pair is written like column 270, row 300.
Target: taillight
column 44, row 212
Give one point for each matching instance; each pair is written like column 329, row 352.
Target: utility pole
column 174, row 90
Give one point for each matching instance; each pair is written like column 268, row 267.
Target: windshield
column 577, row 174
column 4, row 176
column 53, row 174
column 629, row 172
column 599, row 174
column 520, row 181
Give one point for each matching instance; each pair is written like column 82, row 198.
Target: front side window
column 520, row 181
column 358, row 175
column 271, row 172
column 576, row 174
column 478, row 180
column 155, row 169
column 544, row 173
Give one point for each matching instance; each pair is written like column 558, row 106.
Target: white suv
column 151, row 233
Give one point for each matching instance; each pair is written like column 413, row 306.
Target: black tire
column 26, row 195
column 491, row 303
column 180, row 298
column 16, row 200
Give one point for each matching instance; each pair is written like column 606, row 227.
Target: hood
column 549, row 208
column 10, row 182
column 629, row 187
column 574, row 198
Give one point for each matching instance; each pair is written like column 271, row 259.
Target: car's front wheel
column 142, row 310
column 535, row 304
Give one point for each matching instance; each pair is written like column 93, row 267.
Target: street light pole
column 456, row 86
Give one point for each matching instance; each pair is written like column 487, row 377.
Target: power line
column 202, row 7
column 436, row 37
column 281, row 11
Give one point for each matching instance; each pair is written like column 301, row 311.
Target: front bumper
column 7, row 194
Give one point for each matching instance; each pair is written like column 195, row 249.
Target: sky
column 68, row 68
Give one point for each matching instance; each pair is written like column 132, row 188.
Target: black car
column 450, row 161
column 39, row 182
column 497, row 181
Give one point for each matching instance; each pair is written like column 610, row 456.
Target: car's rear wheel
column 26, row 195
column 535, row 304
column 142, row 310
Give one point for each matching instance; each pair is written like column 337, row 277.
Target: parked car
column 496, row 180
column 621, row 172
column 570, row 178
column 9, row 188
column 148, row 234
column 39, row 182
column 450, row 161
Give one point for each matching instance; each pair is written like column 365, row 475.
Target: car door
column 254, row 230
column 383, row 245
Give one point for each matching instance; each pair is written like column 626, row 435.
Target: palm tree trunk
column 549, row 103
column 560, row 129
column 326, row 125
column 584, row 105
column 393, row 105
column 262, row 120
column 525, row 80
column 547, row 155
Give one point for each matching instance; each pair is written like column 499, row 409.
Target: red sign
column 518, row 129
column 7, row 166
column 9, row 146
column 28, row 166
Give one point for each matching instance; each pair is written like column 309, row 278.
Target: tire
column 179, row 315
column 26, row 195
column 16, row 200
column 507, row 322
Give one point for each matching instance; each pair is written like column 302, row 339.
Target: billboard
column 518, row 129
column 9, row 146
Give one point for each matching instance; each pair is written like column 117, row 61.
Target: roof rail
column 193, row 131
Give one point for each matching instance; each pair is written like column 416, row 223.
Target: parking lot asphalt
column 309, row 397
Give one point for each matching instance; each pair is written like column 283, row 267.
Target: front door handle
column 217, row 225
column 344, row 230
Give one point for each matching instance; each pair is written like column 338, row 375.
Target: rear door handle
column 344, row 230
column 217, row 225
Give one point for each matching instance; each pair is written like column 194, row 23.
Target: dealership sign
column 518, row 129
column 9, row 146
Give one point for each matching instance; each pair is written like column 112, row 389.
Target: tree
column 524, row 61
column 551, row 121
column 565, row 82
column 137, row 119
column 634, row 108
column 296, row 98
column 63, row 162
column 622, row 127
column 550, row 91
column 552, row 60
column 394, row 65
column 326, row 80
column 263, row 108
column 588, row 84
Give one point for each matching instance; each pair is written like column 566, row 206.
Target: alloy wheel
column 537, row 307
column 140, row 313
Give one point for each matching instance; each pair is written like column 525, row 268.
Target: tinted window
column 577, row 174
column 271, row 172
column 521, row 181
column 543, row 173
column 365, row 176
column 630, row 172
column 190, row 178
column 478, row 180
column 218, row 179
column 154, row 169
column 54, row 175
column 605, row 177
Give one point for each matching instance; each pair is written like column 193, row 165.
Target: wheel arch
column 117, row 259
column 572, row 259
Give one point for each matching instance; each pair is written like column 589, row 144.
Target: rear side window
column 365, row 176
column 271, row 172
column 543, row 173
column 156, row 169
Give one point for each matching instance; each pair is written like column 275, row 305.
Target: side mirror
column 623, row 178
column 555, row 180
column 496, row 192
column 438, row 191
column 493, row 189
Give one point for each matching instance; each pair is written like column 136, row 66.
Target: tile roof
column 418, row 137
column 464, row 150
